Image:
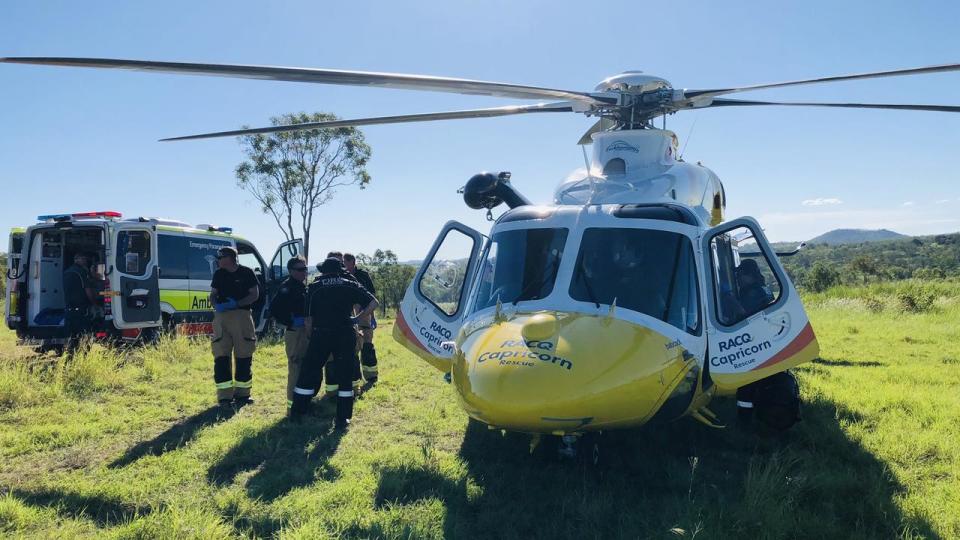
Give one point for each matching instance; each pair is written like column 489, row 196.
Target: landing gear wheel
column 776, row 401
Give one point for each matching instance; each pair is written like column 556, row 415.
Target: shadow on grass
column 847, row 363
column 282, row 457
column 103, row 511
column 673, row 481
column 177, row 436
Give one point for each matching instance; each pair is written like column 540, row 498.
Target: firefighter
column 289, row 307
column 368, row 354
column 330, row 370
column 233, row 291
column 332, row 326
column 79, row 300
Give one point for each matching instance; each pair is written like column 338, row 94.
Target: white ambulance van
column 155, row 274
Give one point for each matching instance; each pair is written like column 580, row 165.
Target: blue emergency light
column 54, row 217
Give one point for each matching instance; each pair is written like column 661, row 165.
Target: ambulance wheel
column 168, row 325
column 150, row 336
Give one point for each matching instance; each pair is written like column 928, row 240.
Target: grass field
column 128, row 445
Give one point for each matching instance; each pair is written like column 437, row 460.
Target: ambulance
column 151, row 274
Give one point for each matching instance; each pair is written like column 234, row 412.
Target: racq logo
column 621, row 146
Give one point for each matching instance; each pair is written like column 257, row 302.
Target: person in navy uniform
column 332, row 332
column 368, row 353
column 79, row 299
column 289, row 308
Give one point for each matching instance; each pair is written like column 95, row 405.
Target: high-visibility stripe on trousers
column 341, row 343
column 295, row 342
column 234, row 335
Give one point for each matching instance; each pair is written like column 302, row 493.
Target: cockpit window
column 648, row 271
column 520, row 265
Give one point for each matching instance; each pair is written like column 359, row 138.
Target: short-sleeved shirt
column 236, row 284
column 75, row 280
column 364, row 278
column 331, row 301
column 290, row 302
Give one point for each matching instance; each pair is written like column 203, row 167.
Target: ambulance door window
column 202, row 257
column 744, row 281
column 172, row 253
column 133, row 252
column 442, row 282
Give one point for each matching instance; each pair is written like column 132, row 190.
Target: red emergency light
column 80, row 215
column 101, row 214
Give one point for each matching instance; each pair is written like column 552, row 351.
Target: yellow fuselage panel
column 592, row 373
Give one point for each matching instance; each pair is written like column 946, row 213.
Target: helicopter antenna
column 689, row 136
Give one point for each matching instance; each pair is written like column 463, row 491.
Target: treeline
column 820, row 266
column 390, row 277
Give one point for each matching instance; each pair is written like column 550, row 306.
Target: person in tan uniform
column 289, row 308
column 233, row 291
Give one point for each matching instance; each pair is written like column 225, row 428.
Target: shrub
column 916, row 297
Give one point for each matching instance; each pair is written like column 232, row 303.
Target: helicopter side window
column 744, row 280
column 442, row 282
column 648, row 271
column 520, row 265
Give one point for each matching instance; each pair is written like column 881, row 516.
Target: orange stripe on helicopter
column 804, row 338
column 408, row 333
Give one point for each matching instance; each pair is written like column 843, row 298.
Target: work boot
column 341, row 424
column 242, row 401
column 225, row 408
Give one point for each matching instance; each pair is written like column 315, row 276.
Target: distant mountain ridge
column 855, row 236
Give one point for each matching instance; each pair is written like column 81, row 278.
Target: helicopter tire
column 777, row 401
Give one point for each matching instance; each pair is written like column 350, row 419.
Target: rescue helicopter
column 628, row 300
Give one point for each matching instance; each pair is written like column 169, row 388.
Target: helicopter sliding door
column 432, row 308
column 756, row 325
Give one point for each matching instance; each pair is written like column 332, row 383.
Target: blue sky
column 79, row 139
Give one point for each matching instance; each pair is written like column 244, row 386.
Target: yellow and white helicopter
column 627, row 300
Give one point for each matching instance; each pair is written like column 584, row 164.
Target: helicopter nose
column 559, row 373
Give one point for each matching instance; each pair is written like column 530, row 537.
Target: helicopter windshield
column 648, row 271
column 520, row 265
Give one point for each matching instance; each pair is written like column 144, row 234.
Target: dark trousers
column 341, row 343
column 79, row 325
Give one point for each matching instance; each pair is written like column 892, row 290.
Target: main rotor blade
column 424, row 117
column 721, row 102
column 690, row 94
column 324, row 76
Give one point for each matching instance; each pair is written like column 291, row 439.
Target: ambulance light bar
column 214, row 228
column 80, row 215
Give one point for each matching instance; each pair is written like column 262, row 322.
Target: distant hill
column 897, row 258
column 855, row 236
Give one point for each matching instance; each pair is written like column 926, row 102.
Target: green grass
column 128, row 445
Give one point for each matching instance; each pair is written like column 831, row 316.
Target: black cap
column 331, row 265
column 226, row 251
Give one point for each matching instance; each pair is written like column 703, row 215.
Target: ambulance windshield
column 520, row 265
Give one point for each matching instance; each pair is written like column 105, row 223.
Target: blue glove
column 298, row 322
column 225, row 306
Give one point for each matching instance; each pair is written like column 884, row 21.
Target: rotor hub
column 633, row 82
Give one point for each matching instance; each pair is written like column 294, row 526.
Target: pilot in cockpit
column 754, row 294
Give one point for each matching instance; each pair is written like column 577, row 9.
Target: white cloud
column 908, row 203
column 821, row 202
column 943, row 201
